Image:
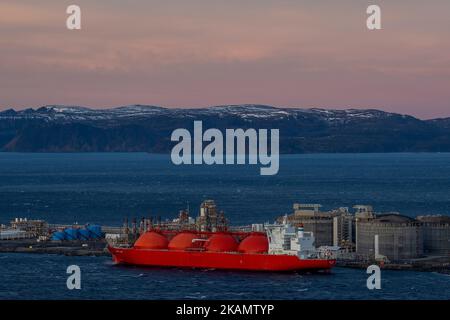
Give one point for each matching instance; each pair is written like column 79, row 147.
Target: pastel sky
column 196, row 53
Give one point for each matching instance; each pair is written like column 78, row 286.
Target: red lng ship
column 280, row 247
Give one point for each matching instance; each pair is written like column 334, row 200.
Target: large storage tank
column 182, row 241
column 58, row 236
column 84, row 234
column 222, row 242
column 405, row 232
column 96, row 231
column 71, row 234
column 151, row 240
column 254, row 243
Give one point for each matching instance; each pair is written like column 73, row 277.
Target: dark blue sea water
column 33, row 276
column 104, row 188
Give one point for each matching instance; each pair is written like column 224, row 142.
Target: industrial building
column 313, row 220
column 210, row 219
column 388, row 236
column 436, row 234
column 344, row 229
column 330, row 228
column 399, row 237
column 22, row 228
column 36, row 227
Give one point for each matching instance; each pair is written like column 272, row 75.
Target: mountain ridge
column 147, row 128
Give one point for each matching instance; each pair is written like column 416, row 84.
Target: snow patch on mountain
column 246, row 112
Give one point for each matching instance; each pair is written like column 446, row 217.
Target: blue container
column 58, row 236
column 71, row 234
column 96, row 231
column 84, row 234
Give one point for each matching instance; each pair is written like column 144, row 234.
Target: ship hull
column 216, row 260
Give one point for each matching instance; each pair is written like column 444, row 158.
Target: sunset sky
column 197, row 53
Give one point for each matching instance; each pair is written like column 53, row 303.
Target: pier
column 87, row 248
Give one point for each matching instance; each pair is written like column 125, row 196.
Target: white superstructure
column 287, row 239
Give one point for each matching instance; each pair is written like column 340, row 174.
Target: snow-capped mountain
column 58, row 128
column 78, row 113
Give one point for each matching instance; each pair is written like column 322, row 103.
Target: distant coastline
column 141, row 128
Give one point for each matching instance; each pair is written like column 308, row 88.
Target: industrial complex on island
column 358, row 235
column 370, row 235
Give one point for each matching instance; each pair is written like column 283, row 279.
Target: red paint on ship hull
column 216, row 260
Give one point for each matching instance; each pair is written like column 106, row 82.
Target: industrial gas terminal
column 305, row 239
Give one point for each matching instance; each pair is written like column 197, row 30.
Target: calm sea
column 107, row 187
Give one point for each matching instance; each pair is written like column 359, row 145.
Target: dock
column 75, row 248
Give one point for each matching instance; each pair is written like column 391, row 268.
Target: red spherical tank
column 222, row 243
column 182, row 241
column 254, row 243
column 151, row 240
